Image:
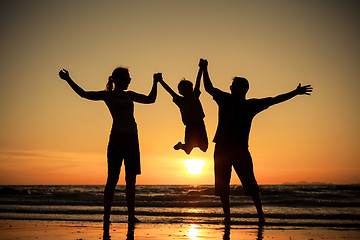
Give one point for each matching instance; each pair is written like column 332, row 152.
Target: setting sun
column 194, row 166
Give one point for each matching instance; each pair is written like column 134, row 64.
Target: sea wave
column 320, row 205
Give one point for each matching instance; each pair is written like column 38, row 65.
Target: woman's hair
column 120, row 73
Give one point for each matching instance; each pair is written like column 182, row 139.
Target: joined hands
column 203, row 63
column 158, row 77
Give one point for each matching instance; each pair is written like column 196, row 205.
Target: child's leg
column 202, row 139
column 195, row 136
column 184, row 147
column 189, row 141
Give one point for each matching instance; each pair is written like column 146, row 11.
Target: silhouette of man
column 232, row 135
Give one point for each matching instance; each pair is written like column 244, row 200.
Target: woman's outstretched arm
column 99, row 95
column 146, row 99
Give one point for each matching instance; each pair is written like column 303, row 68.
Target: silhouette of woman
column 123, row 141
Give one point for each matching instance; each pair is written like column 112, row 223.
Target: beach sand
column 51, row 230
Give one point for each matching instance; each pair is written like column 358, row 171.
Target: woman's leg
column 109, row 192
column 130, row 197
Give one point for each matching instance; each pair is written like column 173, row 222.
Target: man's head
column 239, row 86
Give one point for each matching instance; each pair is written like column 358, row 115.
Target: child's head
column 185, row 87
column 120, row 77
column 239, row 86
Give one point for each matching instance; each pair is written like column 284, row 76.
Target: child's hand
column 203, row 63
column 157, row 77
column 300, row 90
column 64, row 74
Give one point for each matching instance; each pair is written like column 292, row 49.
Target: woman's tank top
column 122, row 110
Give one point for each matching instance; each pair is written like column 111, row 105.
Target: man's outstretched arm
column 207, row 82
column 300, row 90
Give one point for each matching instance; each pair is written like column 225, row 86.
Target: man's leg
column 225, row 202
column 244, row 169
column 257, row 201
column 222, row 167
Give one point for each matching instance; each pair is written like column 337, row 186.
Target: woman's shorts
column 123, row 146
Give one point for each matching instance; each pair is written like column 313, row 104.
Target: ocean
column 335, row 206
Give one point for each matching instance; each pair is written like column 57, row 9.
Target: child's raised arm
column 168, row 89
column 198, row 78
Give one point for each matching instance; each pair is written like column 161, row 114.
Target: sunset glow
column 50, row 135
column 194, row 166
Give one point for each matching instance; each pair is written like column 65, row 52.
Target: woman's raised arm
column 91, row 95
column 147, row 99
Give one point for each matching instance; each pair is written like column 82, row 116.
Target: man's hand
column 64, row 74
column 301, row 90
column 157, row 77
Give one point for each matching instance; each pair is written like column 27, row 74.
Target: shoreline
column 57, row 230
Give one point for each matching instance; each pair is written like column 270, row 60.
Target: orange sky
column 49, row 135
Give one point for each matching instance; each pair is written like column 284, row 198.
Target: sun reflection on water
column 193, row 232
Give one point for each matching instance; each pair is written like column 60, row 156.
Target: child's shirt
column 190, row 107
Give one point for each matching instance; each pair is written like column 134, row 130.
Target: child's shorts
column 196, row 136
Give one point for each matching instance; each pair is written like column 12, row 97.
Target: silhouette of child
column 192, row 114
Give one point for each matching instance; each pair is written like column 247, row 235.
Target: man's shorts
column 123, row 146
column 225, row 157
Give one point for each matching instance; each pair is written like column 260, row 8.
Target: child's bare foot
column 178, row 146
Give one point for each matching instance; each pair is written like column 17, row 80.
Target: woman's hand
column 64, row 74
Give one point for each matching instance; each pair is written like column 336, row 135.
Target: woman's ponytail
column 110, row 84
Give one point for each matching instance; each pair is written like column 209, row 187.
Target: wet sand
column 51, row 230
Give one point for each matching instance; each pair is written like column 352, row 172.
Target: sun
column 194, row 166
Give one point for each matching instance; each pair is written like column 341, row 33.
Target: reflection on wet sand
column 227, row 228
column 193, row 232
column 129, row 235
